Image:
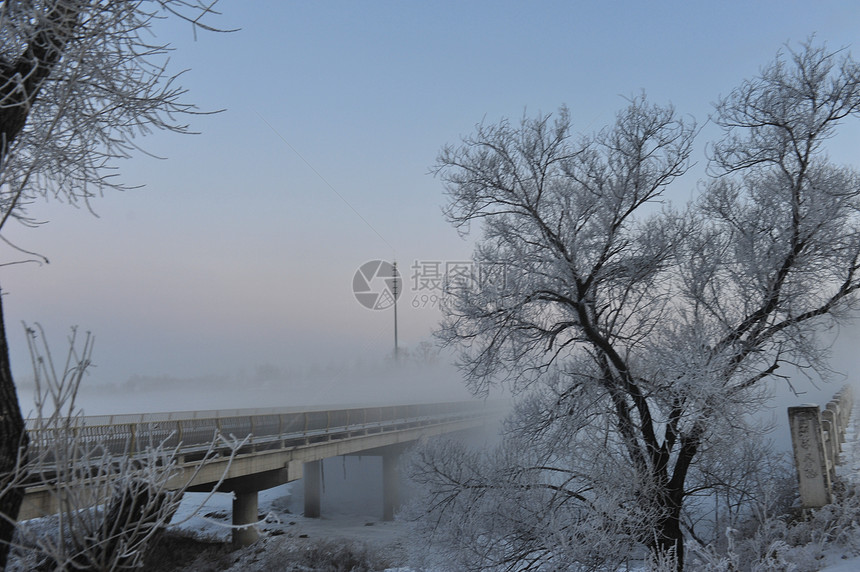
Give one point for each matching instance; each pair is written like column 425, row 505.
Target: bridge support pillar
column 313, row 485
column 390, row 485
column 245, row 513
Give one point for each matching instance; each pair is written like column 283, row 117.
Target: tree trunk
column 13, row 446
column 43, row 51
column 670, row 539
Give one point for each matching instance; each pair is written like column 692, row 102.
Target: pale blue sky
column 238, row 252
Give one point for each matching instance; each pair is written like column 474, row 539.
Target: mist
column 336, row 383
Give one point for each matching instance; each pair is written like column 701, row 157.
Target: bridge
column 280, row 446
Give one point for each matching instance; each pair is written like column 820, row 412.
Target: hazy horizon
column 241, row 247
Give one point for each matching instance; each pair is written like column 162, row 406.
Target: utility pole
column 394, row 289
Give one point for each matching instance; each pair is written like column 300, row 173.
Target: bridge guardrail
column 129, row 434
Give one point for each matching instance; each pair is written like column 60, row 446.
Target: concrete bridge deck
column 281, row 445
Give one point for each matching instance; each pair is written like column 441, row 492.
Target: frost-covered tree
column 80, row 82
column 639, row 336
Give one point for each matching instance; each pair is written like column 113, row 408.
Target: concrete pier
column 390, row 485
column 313, row 488
column 245, row 513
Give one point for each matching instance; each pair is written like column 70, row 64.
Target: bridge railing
column 129, row 434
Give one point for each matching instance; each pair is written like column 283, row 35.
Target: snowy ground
column 283, row 529
column 278, row 512
column 284, row 533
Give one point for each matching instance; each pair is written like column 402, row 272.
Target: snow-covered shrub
column 111, row 506
column 785, row 543
column 339, row 556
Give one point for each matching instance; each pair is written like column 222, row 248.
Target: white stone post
column 809, row 456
